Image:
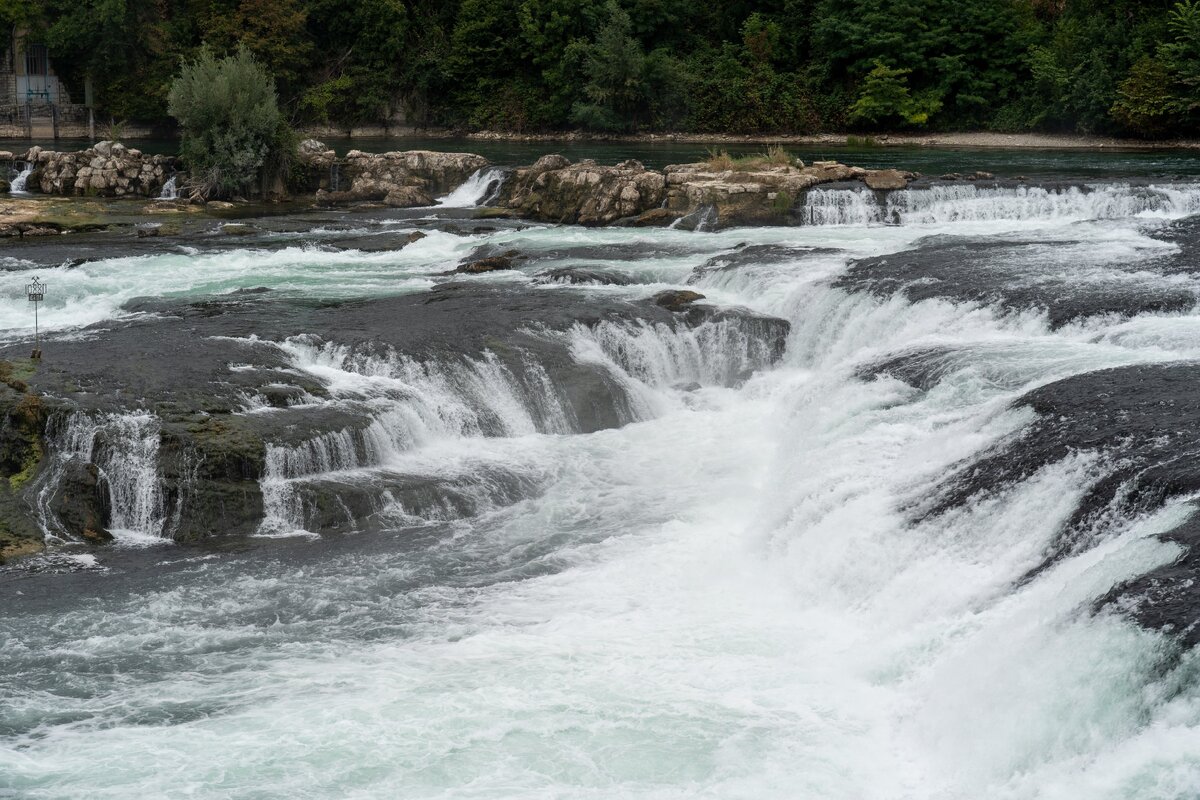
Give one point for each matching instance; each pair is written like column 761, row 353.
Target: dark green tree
column 615, row 67
column 231, row 123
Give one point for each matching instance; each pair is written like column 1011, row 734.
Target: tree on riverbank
column 234, row 137
column 755, row 66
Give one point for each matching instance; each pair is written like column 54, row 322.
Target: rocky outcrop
column 23, row 416
column 764, row 195
column 155, row 401
column 108, row 169
column 555, row 190
column 585, row 275
column 398, row 179
column 482, row 265
column 677, row 299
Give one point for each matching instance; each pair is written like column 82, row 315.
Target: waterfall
column 18, row 183
column 169, row 190
column 862, row 522
column 406, row 404
column 971, row 203
column 124, row 449
column 481, row 188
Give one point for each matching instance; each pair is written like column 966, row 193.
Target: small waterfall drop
column 170, row 190
column 124, row 449
column 18, row 183
column 971, row 203
column 480, row 189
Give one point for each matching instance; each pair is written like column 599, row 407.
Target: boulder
column 485, row 265
column 885, row 179
column 407, row 197
column 399, row 179
column 583, row 193
column 654, row 217
column 677, row 299
column 550, row 162
column 80, row 503
column 585, row 275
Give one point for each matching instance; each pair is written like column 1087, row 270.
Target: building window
column 37, row 62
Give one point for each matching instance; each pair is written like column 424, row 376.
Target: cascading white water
column 18, row 182
column 170, row 190
column 409, row 404
column 727, row 598
column 124, row 449
column 481, row 188
column 963, row 203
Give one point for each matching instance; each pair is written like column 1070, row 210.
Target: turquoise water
column 725, row 598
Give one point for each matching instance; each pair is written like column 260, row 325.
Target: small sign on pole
column 36, row 292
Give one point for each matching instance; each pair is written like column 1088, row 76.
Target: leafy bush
column 231, row 123
column 885, row 98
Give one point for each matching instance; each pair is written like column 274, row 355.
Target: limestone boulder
column 584, row 193
column 108, row 169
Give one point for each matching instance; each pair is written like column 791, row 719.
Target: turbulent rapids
column 898, row 501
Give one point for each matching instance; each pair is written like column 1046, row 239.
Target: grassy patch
column 29, row 468
column 775, row 156
column 16, row 373
column 861, row 141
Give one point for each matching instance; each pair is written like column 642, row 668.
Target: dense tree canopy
column 1109, row 66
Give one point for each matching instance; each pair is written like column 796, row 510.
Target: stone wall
column 109, row 169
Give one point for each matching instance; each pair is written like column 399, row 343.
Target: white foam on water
column 17, row 187
column 967, row 203
column 124, row 449
column 725, row 598
column 477, row 190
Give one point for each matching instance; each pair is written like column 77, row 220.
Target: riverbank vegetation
column 235, row 141
column 758, row 66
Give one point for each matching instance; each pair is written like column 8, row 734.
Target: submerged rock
column 585, row 275
column 1142, row 425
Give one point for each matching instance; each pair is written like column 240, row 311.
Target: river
column 934, row 548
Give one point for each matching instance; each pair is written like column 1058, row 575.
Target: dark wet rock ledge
column 206, row 388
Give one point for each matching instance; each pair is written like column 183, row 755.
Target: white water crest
column 170, row 190
column 480, row 189
column 406, row 406
column 966, row 202
column 124, row 449
column 726, row 596
column 17, row 186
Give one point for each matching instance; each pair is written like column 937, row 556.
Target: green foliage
column 1145, row 103
column 19, row 12
column 615, row 68
column 885, row 98
column 1162, row 92
column 750, row 66
column 231, row 122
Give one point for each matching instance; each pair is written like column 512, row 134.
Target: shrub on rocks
column 234, row 135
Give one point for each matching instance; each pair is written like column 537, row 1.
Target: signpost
column 36, row 292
